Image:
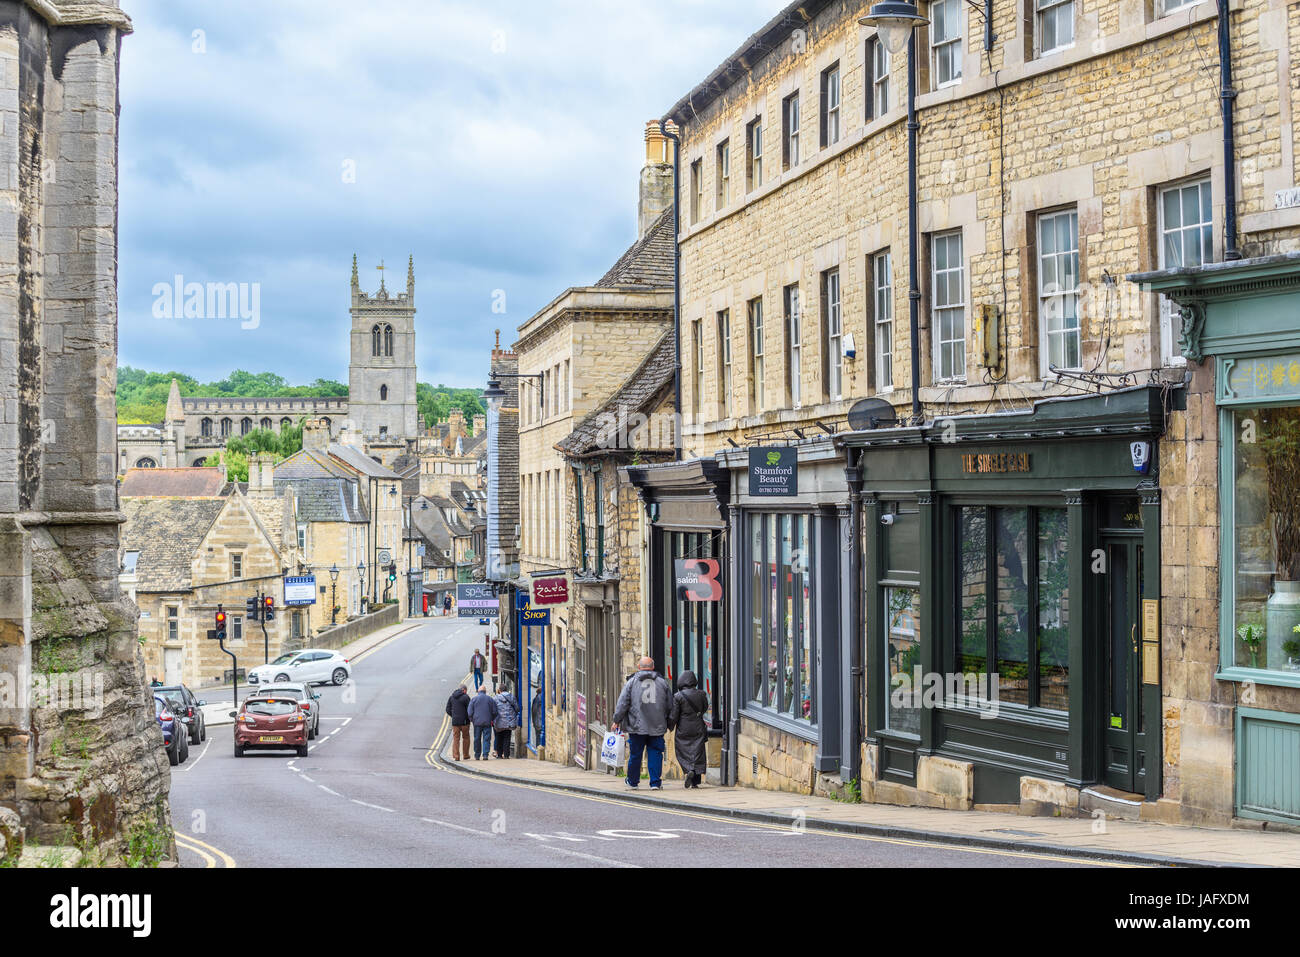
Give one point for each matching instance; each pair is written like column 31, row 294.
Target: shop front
column 1241, row 335
column 687, row 583
column 1011, row 604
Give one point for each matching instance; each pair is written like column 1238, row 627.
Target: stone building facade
column 83, row 764
column 381, row 376
column 1066, row 170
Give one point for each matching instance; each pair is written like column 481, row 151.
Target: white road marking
column 305, row 778
column 200, row 757
column 457, row 827
column 375, row 806
column 589, row 857
column 328, row 791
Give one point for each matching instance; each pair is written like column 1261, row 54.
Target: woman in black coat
column 687, row 717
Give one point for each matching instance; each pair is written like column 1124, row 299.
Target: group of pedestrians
column 647, row 710
column 493, row 717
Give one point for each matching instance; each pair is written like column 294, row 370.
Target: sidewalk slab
column 1122, row 841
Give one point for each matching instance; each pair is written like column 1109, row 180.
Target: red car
column 270, row 724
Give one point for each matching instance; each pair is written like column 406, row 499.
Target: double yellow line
column 206, row 851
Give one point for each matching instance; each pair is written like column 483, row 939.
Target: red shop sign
column 551, row 591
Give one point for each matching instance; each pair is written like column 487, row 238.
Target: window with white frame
column 948, row 305
column 1058, row 288
column 790, row 135
column 755, row 310
column 754, row 152
column 830, row 133
column 878, row 66
column 697, row 190
column 793, row 346
column 1054, row 22
column 236, row 629
column 697, row 332
column 945, row 41
column 173, row 623
column 1186, row 228
column 832, row 334
column 236, row 565
column 724, row 362
column 724, row 174
column 1170, row 6
column 882, row 287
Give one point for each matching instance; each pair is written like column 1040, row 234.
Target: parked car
column 307, row 699
column 308, row 666
column 190, row 708
column 270, row 724
column 175, row 739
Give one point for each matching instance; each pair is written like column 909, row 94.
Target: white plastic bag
column 613, row 748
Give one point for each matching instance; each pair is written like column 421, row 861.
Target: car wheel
column 282, row 677
column 203, row 732
column 239, row 751
column 302, row 751
column 311, row 734
column 194, row 736
column 184, row 749
column 340, row 676
column 173, row 755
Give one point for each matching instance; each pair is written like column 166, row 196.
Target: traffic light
column 392, row 571
column 251, row 608
column 221, row 625
column 268, row 608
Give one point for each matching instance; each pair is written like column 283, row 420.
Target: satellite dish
column 872, row 414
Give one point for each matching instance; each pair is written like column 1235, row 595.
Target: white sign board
column 300, row 589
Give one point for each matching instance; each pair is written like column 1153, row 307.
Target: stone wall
column 341, row 635
column 784, row 762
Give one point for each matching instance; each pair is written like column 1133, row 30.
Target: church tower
column 381, row 376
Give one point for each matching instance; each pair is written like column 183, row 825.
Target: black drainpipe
column 679, row 439
column 853, row 473
column 1226, row 97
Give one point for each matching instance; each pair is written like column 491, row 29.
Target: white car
column 307, row 666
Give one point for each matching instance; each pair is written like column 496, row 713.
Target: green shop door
column 1124, row 731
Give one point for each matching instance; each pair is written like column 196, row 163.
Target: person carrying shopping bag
column 642, row 713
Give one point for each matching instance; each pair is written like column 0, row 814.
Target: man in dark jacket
column 506, row 720
column 686, row 717
column 476, row 664
column 482, row 712
column 458, row 710
column 539, row 718
column 642, row 712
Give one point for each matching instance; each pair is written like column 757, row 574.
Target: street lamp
column 896, row 23
column 361, row 577
column 334, row 605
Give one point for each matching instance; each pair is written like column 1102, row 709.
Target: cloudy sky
column 498, row 142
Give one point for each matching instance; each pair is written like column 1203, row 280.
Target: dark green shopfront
column 1011, row 596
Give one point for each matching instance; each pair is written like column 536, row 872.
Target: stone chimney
column 479, row 424
column 315, row 434
column 455, row 424
column 261, row 475
column 656, row 178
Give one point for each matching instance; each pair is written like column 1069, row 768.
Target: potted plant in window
column 1280, row 443
column 1292, row 648
column 1251, row 636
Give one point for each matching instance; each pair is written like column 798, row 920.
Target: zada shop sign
column 773, row 472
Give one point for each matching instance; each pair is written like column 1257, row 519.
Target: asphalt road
column 367, row 796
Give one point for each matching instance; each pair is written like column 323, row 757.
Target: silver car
column 307, row 699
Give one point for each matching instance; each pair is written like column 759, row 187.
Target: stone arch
column 266, row 423
column 375, row 340
column 226, row 427
column 205, row 427
column 383, row 393
column 199, row 462
column 145, row 462
column 245, row 425
column 285, row 423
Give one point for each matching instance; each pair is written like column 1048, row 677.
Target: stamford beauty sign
column 773, row 472
column 697, row 579
column 551, row 590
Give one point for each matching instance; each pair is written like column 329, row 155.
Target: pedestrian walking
column 506, row 721
column 642, row 714
column 482, row 712
column 458, row 710
column 539, row 716
column 446, row 605
column 686, row 717
column 476, row 664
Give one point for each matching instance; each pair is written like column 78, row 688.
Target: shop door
column 1124, row 731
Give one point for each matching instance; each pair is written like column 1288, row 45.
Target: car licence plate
column 270, row 738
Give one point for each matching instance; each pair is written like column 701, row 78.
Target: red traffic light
column 221, row 618
column 269, row 601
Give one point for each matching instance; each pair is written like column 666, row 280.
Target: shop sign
column 1262, row 377
column 476, row 601
column 988, row 463
column 697, row 579
column 773, row 472
column 530, row 617
column 551, row 590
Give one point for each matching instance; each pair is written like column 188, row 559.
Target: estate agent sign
column 476, row 601
column 773, row 472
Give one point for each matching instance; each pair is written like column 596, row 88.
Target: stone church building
column 380, row 405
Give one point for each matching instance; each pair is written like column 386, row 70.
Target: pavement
column 1113, row 840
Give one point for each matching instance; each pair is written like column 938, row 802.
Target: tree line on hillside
column 142, row 395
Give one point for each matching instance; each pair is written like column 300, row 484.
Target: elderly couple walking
column 647, row 710
column 488, row 714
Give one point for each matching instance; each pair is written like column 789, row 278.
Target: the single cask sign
column 773, row 472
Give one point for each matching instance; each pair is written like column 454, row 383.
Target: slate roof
column 167, row 532
column 187, row 482
column 360, row 462
column 639, row 393
column 309, row 464
column 649, row 260
column 324, row 500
